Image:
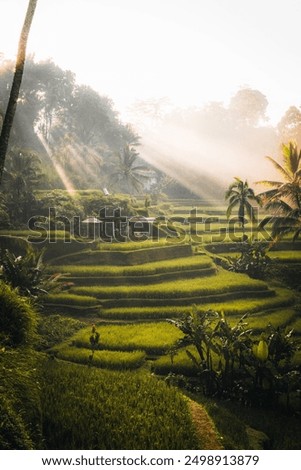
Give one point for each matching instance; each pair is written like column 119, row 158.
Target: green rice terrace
column 112, row 342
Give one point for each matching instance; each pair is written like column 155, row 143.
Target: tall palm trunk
column 14, row 93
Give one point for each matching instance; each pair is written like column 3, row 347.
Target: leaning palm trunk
column 14, row 93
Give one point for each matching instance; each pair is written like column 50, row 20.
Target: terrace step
column 125, row 258
column 142, row 279
column 170, row 301
column 72, row 309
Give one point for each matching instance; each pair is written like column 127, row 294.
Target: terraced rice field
column 129, row 290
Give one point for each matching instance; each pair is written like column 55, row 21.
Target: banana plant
column 26, row 273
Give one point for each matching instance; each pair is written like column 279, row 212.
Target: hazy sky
column 192, row 51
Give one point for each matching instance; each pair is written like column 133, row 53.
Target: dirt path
column 205, row 429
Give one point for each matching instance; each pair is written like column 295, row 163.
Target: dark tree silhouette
column 17, row 80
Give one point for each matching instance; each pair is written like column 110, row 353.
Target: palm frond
column 282, row 170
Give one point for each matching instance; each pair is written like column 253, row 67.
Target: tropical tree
column 248, row 107
column 284, row 197
column 289, row 128
column 128, row 171
column 240, row 195
column 17, row 80
column 22, row 174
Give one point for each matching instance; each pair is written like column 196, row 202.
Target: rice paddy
column 165, row 285
column 128, row 291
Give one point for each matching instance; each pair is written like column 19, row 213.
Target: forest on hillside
column 73, row 129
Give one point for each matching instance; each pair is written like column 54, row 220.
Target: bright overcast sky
column 193, row 51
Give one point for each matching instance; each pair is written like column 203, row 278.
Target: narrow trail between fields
column 205, row 429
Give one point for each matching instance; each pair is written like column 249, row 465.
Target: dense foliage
column 18, row 319
column 233, row 362
column 69, row 125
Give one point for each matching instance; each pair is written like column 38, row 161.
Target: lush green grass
column 276, row 318
column 135, row 245
column 154, row 338
column 283, row 297
column 54, row 329
column 179, row 264
column 223, row 282
column 180, row 363
column 143, row 313
column 88, row 408
column 71, row 299
column 117, row 360
column 61, row 234
column 285, row 256
column 20, row 422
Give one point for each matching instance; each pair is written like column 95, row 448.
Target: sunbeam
column 58, row 168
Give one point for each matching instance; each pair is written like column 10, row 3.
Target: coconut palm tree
column 128, row 171
column 14, row 93
column 284, row 197
column 239, row 195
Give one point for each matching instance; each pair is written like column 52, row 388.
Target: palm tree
column 239, row 195
column 14, row 93
column 128, row 170
column 284, row 197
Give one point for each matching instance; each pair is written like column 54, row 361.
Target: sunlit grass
column 235, row 307
column 153, row 338
column 179, row 363
column 156, row 267
column 136, row 245
column 224, row 282
column 276, row 318
column 71, row 299
column 117, row 360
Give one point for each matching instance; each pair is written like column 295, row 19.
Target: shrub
column 18, row 319
column 54, row 329
column 20, row 411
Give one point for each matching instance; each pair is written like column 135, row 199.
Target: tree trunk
column 14, row 93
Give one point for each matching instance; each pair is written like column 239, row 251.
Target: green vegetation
column 240, row 194
column 18, row 318
column 71, row 299
column 154, row 338
column 20, row 404
column 225, row 281
column 53, row 329
column 233, row 363
column 103, row 359
column 156, row 267
column 209, row 307
column 147, row 414
column 284, row 197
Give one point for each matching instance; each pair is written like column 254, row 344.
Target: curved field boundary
column 142, row 279
column 237, row 307
column 72, row 309
column 106, row 359
column 125, row 258
column 214, row 298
